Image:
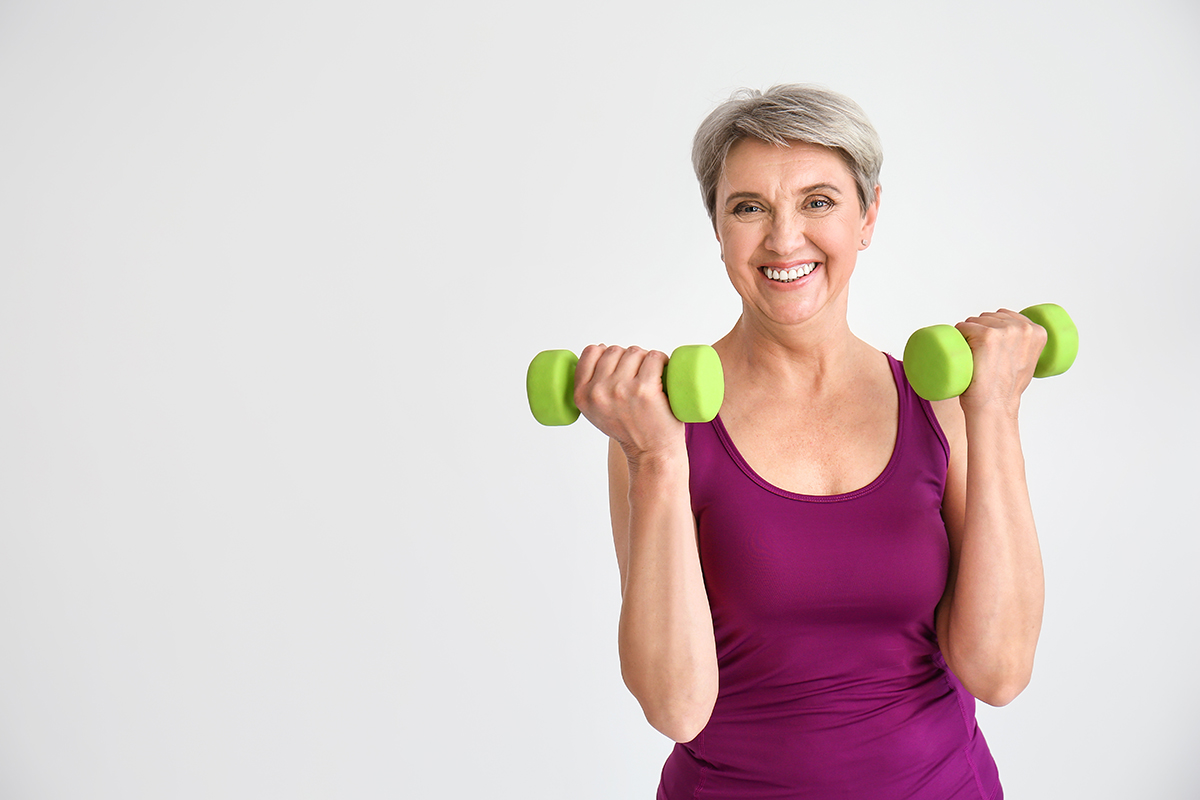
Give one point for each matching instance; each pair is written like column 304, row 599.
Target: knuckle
column 649, row 391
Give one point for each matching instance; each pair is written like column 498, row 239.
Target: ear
column 868, row 224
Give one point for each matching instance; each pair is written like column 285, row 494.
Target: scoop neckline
column 880, row 479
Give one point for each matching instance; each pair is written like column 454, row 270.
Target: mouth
column 789, row 274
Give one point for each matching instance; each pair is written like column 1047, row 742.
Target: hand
column 1004, row 347
column 620, row 391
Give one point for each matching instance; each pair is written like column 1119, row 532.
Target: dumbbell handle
column 938, row 362
column 693, row 381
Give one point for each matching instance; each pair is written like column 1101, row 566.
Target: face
column 790, row 228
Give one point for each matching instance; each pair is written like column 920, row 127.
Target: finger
column 652, row 366
column 990, row 319
column 1006, row 318
column 987, row 322
column 627, row 368
column 972, row 326
column 586, row 368
column 606, row 365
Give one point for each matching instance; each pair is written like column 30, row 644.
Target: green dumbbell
column 693, row 382
column 937, row 359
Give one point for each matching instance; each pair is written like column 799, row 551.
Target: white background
column 275, row 520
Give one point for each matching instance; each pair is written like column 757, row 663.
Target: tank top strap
column 923, row 422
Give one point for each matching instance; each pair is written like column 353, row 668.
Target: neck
column 806, row 356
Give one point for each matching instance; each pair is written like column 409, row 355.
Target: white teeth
column 789, row 275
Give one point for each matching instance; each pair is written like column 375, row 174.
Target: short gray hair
column 783, row 115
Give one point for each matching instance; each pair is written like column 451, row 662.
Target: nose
column 786, row 234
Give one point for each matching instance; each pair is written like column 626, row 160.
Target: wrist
column 990, row 408
column 662, row 462
column 990, row 422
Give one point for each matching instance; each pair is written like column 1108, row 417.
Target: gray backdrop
column 274, row 518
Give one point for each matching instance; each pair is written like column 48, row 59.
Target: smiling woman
column 817, row 584
column 789, row 225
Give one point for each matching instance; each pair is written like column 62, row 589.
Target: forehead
column 755, row 165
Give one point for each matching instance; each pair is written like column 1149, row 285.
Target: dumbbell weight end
column 938, row 362
column 694, row 383
column 550, row 386
column 1062, row 339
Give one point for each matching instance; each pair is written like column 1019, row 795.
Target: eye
column 819, row 204
column 747, row 207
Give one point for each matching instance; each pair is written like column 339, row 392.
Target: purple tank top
column 831, row 681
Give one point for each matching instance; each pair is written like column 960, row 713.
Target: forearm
column 998, row 592
column 668, row 653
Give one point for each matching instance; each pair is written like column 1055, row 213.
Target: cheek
column 842, row 234
column 741, row 239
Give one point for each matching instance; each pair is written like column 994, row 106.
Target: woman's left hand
column 1005, row 347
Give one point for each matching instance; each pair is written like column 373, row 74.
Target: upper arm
column 954, row 501
column 618, row 505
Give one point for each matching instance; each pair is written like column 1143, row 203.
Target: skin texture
column 791, row 349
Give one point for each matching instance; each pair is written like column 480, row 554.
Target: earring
column 864, row 241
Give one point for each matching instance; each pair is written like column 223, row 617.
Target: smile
column 791, row 274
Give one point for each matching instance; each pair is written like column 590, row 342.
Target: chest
column 830, row 448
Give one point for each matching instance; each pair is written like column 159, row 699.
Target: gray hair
column 783, row 115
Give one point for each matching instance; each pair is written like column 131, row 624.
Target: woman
column 817, row 584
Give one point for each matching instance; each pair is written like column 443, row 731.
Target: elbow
column 999, row 695
column 681, row 724
column 678, row 713
column 997, row 688
column 996, row 684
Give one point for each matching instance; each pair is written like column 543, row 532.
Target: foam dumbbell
column 938, row 363
column 692, row 380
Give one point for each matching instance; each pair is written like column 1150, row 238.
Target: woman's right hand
column 620, row 391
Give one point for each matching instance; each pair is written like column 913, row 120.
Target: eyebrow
column 816, row 187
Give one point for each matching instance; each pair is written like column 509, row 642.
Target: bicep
column 618, row 505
